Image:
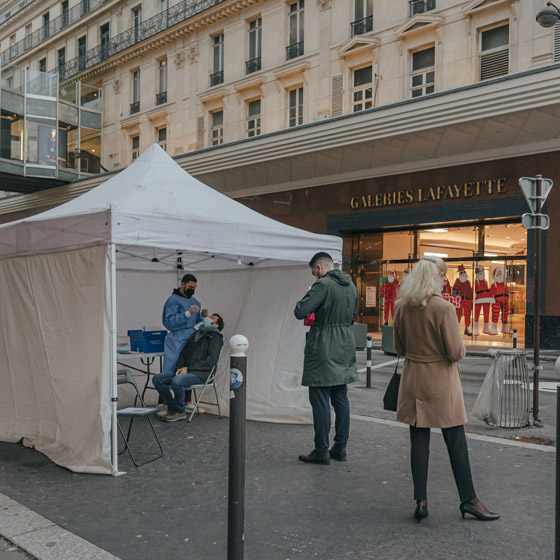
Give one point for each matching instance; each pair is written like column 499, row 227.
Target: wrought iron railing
column 362, row 26
column 253, row 65
column 135, row 107
column 49, row 29
column 295, row 50
column 421, row 6
column 161, row 98
column 216, row 78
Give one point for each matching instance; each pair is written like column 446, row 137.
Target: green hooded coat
column 330, row 351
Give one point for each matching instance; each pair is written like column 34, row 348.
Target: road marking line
column 378, row 366
column 470, row 435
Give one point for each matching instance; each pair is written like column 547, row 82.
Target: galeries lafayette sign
column 427, row 194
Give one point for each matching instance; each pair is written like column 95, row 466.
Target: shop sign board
column 529, row 188
column 371, row 293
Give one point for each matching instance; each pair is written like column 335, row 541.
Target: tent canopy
column 154, row 204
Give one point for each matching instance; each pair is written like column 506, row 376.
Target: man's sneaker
column 162, row 408
column 175, row 417
column 190, row 407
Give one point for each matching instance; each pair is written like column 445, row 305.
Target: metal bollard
column 368, row 363
column 515, row 338
column 236, row 472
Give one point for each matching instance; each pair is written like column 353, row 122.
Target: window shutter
column 494, row 64
column 200, row 133
column 336, row 103
column 557, row 42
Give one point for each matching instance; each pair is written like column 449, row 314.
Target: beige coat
column 430, row 393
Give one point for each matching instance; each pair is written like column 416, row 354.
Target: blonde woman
column 430, row 395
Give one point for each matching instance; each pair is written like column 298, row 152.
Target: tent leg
column 114, row 394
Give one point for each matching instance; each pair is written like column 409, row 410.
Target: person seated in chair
column 196, row 360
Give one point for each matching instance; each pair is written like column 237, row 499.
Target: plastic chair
column 210, row 382
column 125, row 377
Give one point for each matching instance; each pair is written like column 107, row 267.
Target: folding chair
column 210, row 382
column 125, row 377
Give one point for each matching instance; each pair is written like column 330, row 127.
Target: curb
column 43, row 539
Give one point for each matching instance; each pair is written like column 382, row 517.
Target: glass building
column 50, row 133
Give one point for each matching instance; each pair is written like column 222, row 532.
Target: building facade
column 402, row 126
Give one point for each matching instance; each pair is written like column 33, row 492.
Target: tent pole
column 114, row 395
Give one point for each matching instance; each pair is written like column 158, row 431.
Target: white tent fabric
column 62, row 294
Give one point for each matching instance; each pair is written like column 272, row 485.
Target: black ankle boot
column 421, row 511
column 317, row 458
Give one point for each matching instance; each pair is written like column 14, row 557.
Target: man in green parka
column 330, row 355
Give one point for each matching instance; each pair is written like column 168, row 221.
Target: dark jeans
column 458, row 455
column 319, row 398
column 179, row 384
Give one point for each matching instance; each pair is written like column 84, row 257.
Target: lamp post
column 549, row 16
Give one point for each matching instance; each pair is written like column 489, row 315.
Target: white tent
column 61, row 272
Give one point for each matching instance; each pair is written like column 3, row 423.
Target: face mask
column 189, row 292
column 206, row 322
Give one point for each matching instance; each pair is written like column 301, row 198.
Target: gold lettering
column 501, row 185
column 369, row 200
column 386, row 199
column 477, row 188
column 439, row 191
column 448, row 192
column 490, row 183
column 431, row 194
column 409, row 196
column 468, row 189
column 354, row 203
column 457, row 191
column 378, row 199
column 401, row 197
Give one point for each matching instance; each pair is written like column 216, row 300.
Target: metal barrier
column 505, row 396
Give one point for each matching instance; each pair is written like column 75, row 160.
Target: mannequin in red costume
column 483, row 300
column 446, row 289
column 463, row 287
column 500, row 292
column 389, row 293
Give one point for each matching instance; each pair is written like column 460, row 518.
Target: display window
column 486, row 279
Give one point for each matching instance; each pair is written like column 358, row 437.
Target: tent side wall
column 55, row 356
column 257, row 303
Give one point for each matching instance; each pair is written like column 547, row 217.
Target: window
column 296, row 28
column 362, row 92
column 295, row 107
column 137, row 20
column 363, row 11
column 82, row 53
column 254, row 118
column 217, row 76
column 161, row 96
column 43, row 65
column 135, row 146
column 217, row 130
column 135, row 105
column 421, row 6
column 494, row 52
column 255, row 45
column 12, row 45
column 64, row 11
column 27, row 40
column 61, row 62
column 46, row 25
column 162, row 137
column 422, row 75
column 104, row 36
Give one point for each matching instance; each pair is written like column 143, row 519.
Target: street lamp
column 549, row 16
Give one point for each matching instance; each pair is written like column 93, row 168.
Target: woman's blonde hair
column 423, row 282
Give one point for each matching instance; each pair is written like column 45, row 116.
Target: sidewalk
column 361, row 509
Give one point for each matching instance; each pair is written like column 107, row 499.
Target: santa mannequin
column 389, row 293
column 446, row 289
column 483, row 299
column 463, row 288
column 500, row 292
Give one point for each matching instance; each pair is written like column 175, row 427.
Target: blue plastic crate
column 147, row 341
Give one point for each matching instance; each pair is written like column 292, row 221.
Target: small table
column 147, row 359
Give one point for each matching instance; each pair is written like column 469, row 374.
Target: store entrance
column 487, row 275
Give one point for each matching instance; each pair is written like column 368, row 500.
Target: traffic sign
column 529, row 187
column 529, row 221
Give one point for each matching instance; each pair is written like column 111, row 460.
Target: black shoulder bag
column 392, row 393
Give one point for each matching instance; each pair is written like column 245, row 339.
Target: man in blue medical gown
column 180, row 314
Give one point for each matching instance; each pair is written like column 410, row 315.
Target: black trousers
column 458, row 455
